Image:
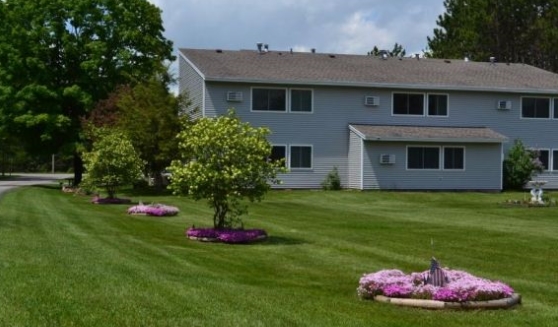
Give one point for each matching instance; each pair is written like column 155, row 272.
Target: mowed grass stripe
column 67, row 262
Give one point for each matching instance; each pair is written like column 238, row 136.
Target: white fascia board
column 196, row 69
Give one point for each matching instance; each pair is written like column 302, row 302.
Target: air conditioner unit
column 387, row 159
column 503, row 105
column 371, row 101
column 234, row 96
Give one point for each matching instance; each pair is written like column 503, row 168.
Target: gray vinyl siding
column 334, row 108
column 482, row 168
column 355, row 161
column 192, row 85
column 324, row 129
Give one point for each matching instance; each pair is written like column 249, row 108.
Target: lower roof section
column 396, row 133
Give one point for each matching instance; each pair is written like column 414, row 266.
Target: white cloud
column 348, row 26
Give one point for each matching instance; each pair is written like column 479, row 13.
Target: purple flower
column 202, row 233
column 98, row 200
column 461, row 286
column 158, row 210
column 234, row 236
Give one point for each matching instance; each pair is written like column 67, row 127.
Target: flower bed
column 462, row 290
column 157, row 210
column 99, row 200
column 530, row 204
column 231, row 236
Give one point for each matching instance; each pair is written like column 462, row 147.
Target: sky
column 329, row 26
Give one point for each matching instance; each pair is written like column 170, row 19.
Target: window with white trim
column 544, row 157
column 301, row 100
column 437, row 104
column 269, row 99
column 408, row 104
column 300, row 157
column 454, row 158
column 423, row 157
column 555, row 160
column 555, row 108
column 279, row 152
column 535, row 107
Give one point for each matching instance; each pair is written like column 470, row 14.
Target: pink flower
column 461, row 286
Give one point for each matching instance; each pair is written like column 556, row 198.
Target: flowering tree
column 520, row 165
column 112, row 163
column 224, row 161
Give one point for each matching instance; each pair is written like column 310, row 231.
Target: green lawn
column 66, row 262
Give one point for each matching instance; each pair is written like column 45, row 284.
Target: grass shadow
column 47, row 186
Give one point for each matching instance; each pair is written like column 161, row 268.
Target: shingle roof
column 276, row 67
column 427, row 134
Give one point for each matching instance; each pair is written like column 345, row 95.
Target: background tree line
column 514, row 31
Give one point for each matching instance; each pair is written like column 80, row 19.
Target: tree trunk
column 219, row 215
column 78, row 169
column 158, row 182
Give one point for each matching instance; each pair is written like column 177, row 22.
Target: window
column 454, row 158
column 555, row 108
column 301, row 100
column 423, row 158
column 279, row 152
column 408, row 104
column 301, row 156
column 544, row 157
column 535, row 107
column 555, row 160
column 269, row 99
column 437, row 105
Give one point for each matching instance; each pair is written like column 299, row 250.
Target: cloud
column 349, row 26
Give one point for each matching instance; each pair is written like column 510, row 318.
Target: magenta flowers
column 157, row 209
column 461, row 287
column 232, row 236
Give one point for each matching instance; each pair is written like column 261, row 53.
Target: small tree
column 332, row 180
column 112, row 163
column 520, row 165
column 224, row 161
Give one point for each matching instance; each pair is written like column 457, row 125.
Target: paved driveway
column 29, row 179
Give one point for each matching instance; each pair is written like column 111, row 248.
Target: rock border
column 505, row 303
column 217, row 240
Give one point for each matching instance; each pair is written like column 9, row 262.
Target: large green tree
column 59, row 57
column 224, row 161
column 150, row 115
column 518, row 31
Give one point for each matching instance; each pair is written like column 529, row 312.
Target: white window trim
column 536, row 118
column 424, row 108
column 551, row 159
column 444, row 158
column 553, row 107
column 286, row 151
column 269, row 88
column 311, row 99
column 440, row 163
column 311, row 157
column 288, row 97
column 428, row 103
column 549, row 166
